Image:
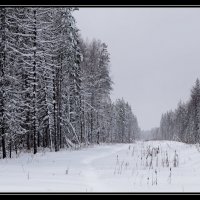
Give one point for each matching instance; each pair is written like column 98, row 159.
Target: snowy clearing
column 152, row 166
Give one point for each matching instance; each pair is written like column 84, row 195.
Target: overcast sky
column 155, row 54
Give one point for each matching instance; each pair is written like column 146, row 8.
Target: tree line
column 54, row 86
column 183, row 123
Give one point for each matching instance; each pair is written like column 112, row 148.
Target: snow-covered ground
column 151, row 166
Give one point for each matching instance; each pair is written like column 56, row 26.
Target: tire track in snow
column 93, row 181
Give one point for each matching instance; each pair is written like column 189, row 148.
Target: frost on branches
column 54, row 86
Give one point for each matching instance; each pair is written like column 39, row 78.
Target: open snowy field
column 153, row 166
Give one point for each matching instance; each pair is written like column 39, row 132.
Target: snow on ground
column 152, row 166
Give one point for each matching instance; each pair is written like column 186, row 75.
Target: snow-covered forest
column 183, row 123
column 54, row 86
column 60, row 130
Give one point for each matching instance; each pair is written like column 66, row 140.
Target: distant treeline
column 182, row 124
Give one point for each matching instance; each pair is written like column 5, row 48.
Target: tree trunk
column 2, row 92
column 34, row 87
column 54, row 111
column 10, row 148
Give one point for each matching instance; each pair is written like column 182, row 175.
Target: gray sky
column 155, row 54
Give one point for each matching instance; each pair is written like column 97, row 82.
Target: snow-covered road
column 154, row 166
